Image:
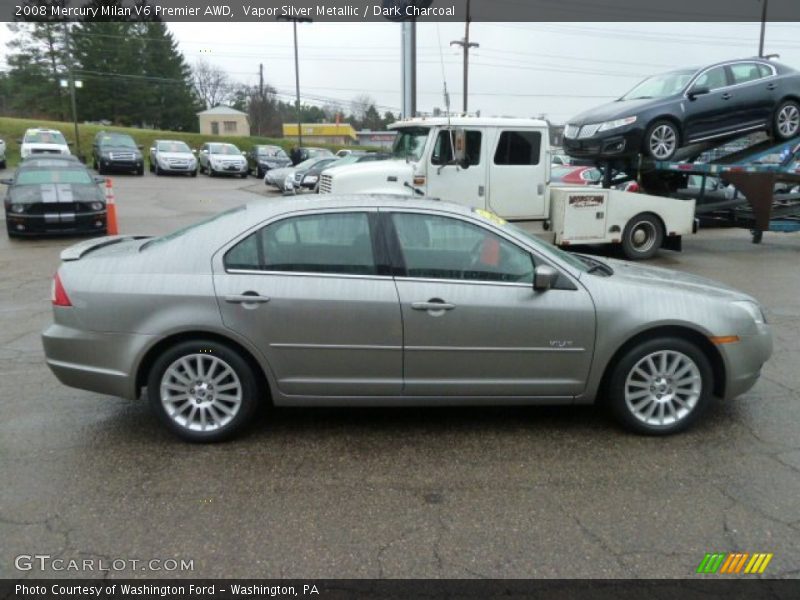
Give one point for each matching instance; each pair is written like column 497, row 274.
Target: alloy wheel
column 663, row 388
column 789, row 121
column 201, row 392
column 662, row 142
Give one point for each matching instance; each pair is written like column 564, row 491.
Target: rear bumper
column 94, row 361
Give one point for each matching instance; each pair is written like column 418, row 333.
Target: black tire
column 259, row 173
column 659, row 130
column 100, row 169
column 243, row 175
column 140, row 170
column 2, row 164
column 210, row 171
column 786, row 121
column 150, row 166
column 642, row 236
column 625, row 410
column 205, row 349
column 194, row 173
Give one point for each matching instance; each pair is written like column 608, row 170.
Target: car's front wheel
column 660, row 386
column 662, row 140
column 787, row 120
column 203, row 390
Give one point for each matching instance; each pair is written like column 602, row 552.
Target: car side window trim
column 729, row 75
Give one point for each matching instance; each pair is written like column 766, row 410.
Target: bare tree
column 211, row 83
column 360, row 104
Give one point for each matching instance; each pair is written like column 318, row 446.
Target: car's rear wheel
column 660, row 386
column 203, row 390
column 662, row 140
column 642, row 237
column 787, row 120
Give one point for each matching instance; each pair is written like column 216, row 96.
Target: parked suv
column 43, row 141
column 172, row 156
column 218, row 158
column 263, row 158
column 113, row 151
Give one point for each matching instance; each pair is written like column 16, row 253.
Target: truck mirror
column 459, row 137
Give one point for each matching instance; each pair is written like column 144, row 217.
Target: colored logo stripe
column 734, row 563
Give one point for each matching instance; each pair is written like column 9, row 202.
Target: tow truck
column 503, row 165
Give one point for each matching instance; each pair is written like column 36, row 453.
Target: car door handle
column 246, row 298
column 726, row 96
column 771, row 86
column 434, row 305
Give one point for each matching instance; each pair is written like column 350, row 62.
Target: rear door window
column 337, row 243
column 745, row 72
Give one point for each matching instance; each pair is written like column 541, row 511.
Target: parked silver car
column 368, row 300
column 172, row 156
column 217, row 158
column 284, row 179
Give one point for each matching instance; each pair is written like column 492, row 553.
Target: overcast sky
column 520, row 69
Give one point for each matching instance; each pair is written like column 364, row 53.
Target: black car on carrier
column 676, row 109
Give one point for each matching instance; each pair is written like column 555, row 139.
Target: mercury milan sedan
column 386, row 300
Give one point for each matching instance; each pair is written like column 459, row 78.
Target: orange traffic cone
column 111, row 210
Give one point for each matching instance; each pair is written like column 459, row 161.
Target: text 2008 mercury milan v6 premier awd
column 370, row 300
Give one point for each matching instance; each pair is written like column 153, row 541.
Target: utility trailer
column 754, row 204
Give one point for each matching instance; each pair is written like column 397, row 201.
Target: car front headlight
column 754, row 310
column 310, row 179
column 96, row 206
column 616, row 123
column 18, row 208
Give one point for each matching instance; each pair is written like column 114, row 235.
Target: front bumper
column 610, row 144
column 56, row 223
column 229, row 169
column 178, row 168
column 744, row 360
column 94, row 361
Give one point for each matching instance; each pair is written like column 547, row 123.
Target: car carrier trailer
column 755, row 203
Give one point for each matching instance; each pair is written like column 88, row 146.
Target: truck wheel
column 642, row 237
column 786, row 123
column 662, row 140
column 660, row 386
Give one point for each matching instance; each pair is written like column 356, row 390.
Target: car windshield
column 173, row 147
column 272, row 152
column 45, row 137
column 228, row 149
column 661, row 86
column 45, row 176
column 117, row 141
column 410, row 142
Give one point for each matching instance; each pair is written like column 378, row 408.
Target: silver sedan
column 390, row 301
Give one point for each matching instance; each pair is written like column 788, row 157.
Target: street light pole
column 466, row 44
column 72, row 89
column 763, row 28
column 295, row 21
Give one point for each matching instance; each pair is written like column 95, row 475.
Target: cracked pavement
column 459, row 493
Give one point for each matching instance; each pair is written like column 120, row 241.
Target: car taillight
column 59, row 295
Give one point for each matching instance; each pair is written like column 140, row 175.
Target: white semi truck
column 503, row 165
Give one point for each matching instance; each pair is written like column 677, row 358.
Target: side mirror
column 7, row 181
column 544, row 277
column 698, row 90
column 140, row 147
column 244, row 153
column 99, row 179
column 70, row 143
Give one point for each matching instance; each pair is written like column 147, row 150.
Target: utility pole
column 72, row 88
column 409, row 66
column 295, row 21
column 763, row 27
column 466, row 44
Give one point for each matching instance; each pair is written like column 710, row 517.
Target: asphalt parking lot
column 472, row 492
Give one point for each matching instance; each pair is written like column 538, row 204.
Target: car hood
column 274, row 160
column 176, row 155
column 617, row 110
column 226, row 157
column 55, row 193
column 679, row 282
column 280, row 174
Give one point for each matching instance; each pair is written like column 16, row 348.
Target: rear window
column 45, row 176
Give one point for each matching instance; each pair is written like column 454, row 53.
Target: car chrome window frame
column 729, row 75
column 218, row 258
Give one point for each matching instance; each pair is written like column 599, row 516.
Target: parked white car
column 218, row 158
column 172, row 156
column 43, row 141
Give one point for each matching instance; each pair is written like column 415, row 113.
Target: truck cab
column 495, row 164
